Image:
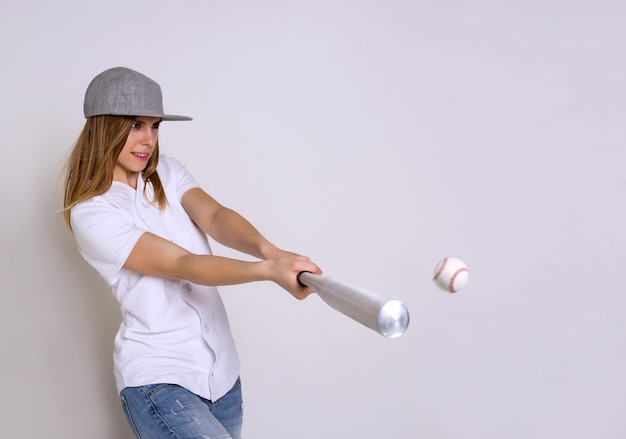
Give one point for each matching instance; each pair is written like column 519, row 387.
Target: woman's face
column 137, row 150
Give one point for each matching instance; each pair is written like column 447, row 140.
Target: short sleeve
column 105, row 235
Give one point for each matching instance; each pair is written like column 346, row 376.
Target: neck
column 129, row 178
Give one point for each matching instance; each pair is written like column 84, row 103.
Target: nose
column 149, row 137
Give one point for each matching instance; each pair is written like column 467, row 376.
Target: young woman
column 141, row 220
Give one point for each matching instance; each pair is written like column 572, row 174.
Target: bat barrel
column 388, row 317
column 393, row 319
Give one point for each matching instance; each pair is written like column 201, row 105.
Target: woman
column 142, row 221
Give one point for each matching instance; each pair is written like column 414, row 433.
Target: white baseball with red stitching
column 451, row 275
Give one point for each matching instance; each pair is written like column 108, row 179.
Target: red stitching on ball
column 456, row 273
column 443, row 265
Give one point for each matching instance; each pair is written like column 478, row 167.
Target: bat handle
column 299, row 280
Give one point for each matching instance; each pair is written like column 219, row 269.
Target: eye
column 156, row 125
column 136, row 124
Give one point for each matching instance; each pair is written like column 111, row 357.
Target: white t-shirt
column 172, row 331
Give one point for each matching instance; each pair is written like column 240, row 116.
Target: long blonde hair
column 89, row 168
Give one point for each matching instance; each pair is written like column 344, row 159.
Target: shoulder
column 117, row 203
column 103, row 208
column 169, row 164
column 118, row 194
column 174, row 175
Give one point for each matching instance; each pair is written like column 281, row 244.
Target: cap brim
column 174, row 117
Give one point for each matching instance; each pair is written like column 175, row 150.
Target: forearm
column 217, row 270
column 225, row 225
column 232, row 230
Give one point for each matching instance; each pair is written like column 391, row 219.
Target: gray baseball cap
column 121, row 91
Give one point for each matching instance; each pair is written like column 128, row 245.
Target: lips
column 141, row 156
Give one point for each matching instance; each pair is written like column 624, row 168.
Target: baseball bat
column 388, row 317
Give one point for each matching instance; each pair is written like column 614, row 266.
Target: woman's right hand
column 283, row 269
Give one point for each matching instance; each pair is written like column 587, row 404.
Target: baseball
column 451, row 275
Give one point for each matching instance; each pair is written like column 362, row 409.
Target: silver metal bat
column 388, row 317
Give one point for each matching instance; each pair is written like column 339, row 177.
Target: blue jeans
column 169, row 411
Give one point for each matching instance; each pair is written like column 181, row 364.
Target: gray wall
column 376, row 137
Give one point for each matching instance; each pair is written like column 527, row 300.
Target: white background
column 377, row 138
